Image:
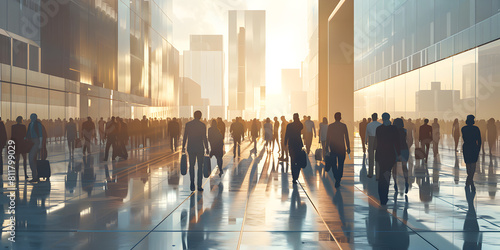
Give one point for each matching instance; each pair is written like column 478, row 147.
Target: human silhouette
column 481, row 124
column 294, row 142
column 404, row 156
column 71, row 136
column 238, row 132
column 371, row 128
column 309, row 131
column 174, row 133
column 122, row 139
column 195, row 134
column 276, row 133
column 410, row 131
column 388, row 149
column 425, row 137
column 111, row 133
column 268, row 133
column 323, row 130
column 222, row 127
column 337, row 144
column 144, row 131
column 254, row 132
column 436, row 135
column 492, row 136
column 102, row 124
column 473, row 239
column 471, row 147
column 35, row 135
column 216, row 141
column 18, row 132
column 362, row 133
column 455, row 131
column 284, row 147
column 88, row 129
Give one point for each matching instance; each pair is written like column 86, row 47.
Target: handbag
column 302, row 159
column 207, row 166
column 318, row 155
column 184, row 164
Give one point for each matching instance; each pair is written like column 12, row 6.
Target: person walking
column 238, row 132
column 35, row 135
column 216, row 141
column 254, row 132
column 337, row 142
column 371, row 129
column 362, row 133
column 284, row 147
column 403, row 157
column 276, row 133
column 174, row 133
column 388, row 149
column 471, row 135
column 492, row 136
column 268, row 133
column 323, row 131
column 71, row 137
column 111, row 131
column 18, row 132
column 195, row 135
column 88, row 129
column 425, row 137
column 455, row 131
column 222, row 127
column 309, row 130
column 436, row 135
column 294, row 142
column 122, row 139
column 410, row 131
column 102, row 125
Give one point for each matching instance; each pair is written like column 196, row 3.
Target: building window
column 34, row 58
column 20, row 51
column 4, row 49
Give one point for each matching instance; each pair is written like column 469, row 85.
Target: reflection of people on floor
column 425, row 189
column 88, row 176
column 473, row 238
column 298, row 211
column 492, row 178
column 436, row 167
column 71, row 177
column 481, row 124
column 456, row 170
column 388, row 149
column 471, row 147
column 195, row 235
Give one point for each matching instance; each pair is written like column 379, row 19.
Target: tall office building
column 204, row 64
column 247, row 63
column 418, row 43
column 79, row 58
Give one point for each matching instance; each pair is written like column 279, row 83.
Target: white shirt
column 371, row 128
column 310, row 126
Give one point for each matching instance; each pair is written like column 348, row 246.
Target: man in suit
column 18, row 132
column 294, row 142
column 284, row 148
column 425, row 137
column 371, row 141
column 195, row 134
column 35, row 135
column 238, row 132
column 388, row 148
column 174, row 133
column 111, row 131
column 70, row 136
column 337, row 140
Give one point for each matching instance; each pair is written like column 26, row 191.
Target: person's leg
column 219, row 163
column 200, row 170
column 383, row 187
column 32, row 158
column 456, row 143
column 106, row 150
column 363, row 143
column 192, row 161
column 25, row 165
column 471, row 169
column 323, row 145
column 234, row 146
column 371, row 155
column 172, row 143
column 404, row 166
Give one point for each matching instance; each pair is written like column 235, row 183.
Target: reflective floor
column 145, row 203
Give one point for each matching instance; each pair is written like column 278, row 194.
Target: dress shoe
column 192, row 187
column 200, row 189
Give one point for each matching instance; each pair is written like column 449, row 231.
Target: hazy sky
column 286, row 24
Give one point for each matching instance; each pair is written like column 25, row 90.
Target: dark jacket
column 292, row 136
column 425, row 132
column 388, row 146
column 472, row 143
column 18, row 132
column 195, row 134
column 335, row 136
column 216, row 141
column 173, row 129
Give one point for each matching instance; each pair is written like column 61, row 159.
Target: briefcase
column 207, row 166
column 43, row 168
column 318, row 155
column 184, row 164
column 419, row 153
column 78, row 143
column 302, row 159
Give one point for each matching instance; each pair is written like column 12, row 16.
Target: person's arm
column 328, row 134
column 348, row 145
column 314, row 129
column 366, row 135
column 205, row 141
column 184, row 139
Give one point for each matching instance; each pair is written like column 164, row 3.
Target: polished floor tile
column 145, row 203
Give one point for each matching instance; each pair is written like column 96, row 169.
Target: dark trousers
column 294, row 154
column 219, row 161
column 471, row 169
column 86, row 146
column 173, row 142
column 71, row 147
column 383, row 185
column 337, row 165
column 237, row 142
column 109, row 142
column 363, row 141
column 308, row 141
column 193, row 157
column 426, row 144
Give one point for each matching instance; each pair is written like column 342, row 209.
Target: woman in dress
column 216, row 141
column 471, row 147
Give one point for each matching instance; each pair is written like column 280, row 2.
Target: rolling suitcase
column 43, row 168
column 207, row 166
column 318, row 155
column 184, row 164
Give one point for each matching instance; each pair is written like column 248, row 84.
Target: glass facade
column 64, row 58
column 441, row 54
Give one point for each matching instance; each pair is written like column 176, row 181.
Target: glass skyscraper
column 62, row 59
